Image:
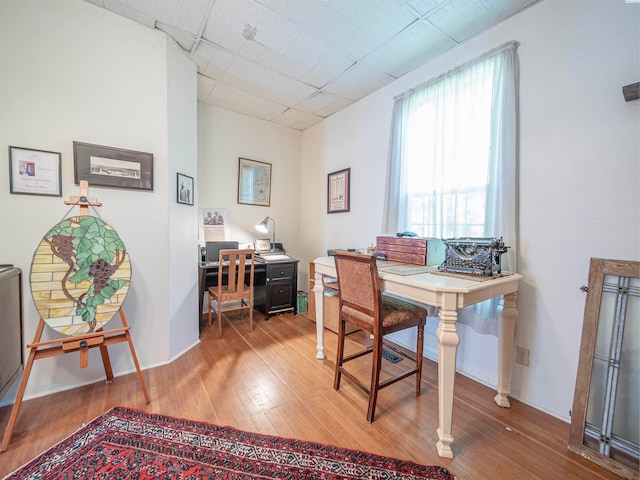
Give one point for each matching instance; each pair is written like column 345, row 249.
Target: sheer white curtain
column 452, row 161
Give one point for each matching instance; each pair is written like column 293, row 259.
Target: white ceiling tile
column 232, row 20
column 225, row 96
column 259, row 54
column 299, row 116
column 281, row 120
column 301, row 125
column 358, row 81
column 296, row 11
column 231, row 98
column 376, row 22
column 141, row 12
column 258, row 107
column 189, row 15
column 316, row 102
column 147, row 7
column 297, row 124
column 323, row 104
column 307, row 49
column 315, row 17
column 227, row 21
column 424, row 6
column 212, row 60
column 272, row 35
column 311, row 60
column 283, row 89
column 333, row 107
column 275, row 32
column 362, row 41
column 329, row 67
column 261, row 81
column 461, row 19
column 415, row 46
column 242, row 72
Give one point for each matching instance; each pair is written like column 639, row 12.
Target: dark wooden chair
column 362, row 304
column 238, row 286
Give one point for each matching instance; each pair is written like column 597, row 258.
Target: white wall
column 224, row 137
column 578, row 179
column 182, row 135
column 71, row 71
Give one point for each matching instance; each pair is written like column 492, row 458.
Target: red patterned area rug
column 126, row 443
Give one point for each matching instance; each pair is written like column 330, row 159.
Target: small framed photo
column 185, row 189
column 254, row 182
column 338, row 191
column 263, row 245
column 112, row 167
column 35, row 172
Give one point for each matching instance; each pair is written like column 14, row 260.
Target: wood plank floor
column 269, row 381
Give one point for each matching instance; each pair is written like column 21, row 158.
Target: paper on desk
column 275, row 257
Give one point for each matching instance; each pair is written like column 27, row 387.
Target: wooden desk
column 274, row 285
column 449, row 294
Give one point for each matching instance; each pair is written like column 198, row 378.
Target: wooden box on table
column 414, row 250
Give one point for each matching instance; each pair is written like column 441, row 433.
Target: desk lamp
column 264, row 228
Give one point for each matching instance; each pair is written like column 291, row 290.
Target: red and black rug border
column 230, row 460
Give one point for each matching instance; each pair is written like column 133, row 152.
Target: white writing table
column 449, row 294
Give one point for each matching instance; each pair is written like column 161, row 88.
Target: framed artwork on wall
column 112, row 167
column 338, row 191
column 184, row 193
column 35, row 172
column 254, row 182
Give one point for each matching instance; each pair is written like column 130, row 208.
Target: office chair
column 232, row 265
column 362, row 304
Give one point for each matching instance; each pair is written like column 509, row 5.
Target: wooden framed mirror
column 605, row 419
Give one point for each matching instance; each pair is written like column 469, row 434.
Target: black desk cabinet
column 277, row 292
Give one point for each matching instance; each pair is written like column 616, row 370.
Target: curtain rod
column 505, row 46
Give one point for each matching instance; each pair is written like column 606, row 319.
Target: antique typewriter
column 479, row 256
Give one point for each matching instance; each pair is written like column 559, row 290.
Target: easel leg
column 106, row 361
column 8, row 433
column 133, row 355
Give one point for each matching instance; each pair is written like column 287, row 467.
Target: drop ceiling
column 295, row 62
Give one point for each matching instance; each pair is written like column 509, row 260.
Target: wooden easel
column 77, row 343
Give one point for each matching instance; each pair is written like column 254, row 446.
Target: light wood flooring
column 269, row 381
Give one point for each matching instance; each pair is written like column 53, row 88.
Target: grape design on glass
column 93, row 282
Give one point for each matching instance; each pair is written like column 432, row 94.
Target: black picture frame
column 35, row 172
column 339, row 191
column 112, row 167
column 184, row 189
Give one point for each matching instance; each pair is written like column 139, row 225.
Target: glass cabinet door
column 605, row 421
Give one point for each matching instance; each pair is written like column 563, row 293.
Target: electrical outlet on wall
column 522, row 355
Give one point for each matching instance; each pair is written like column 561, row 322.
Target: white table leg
column 448, row 340
column 505, row 346
column 318, row 290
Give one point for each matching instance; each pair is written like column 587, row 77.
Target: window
column 452, row 160
column 449, row 133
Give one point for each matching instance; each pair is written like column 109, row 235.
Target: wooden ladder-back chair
column 362, row 304
column 233, row 265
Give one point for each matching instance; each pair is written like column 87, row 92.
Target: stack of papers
column 274, row 257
